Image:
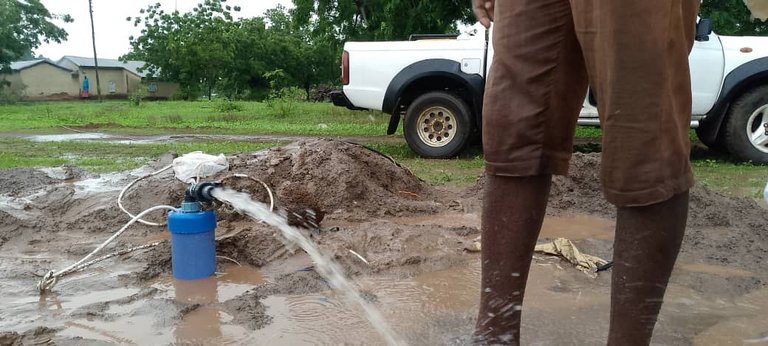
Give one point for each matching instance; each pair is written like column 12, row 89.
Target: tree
column 731, row 17
column 309, row 60
column 382, row 19
column 24, row 25
column 194, row 49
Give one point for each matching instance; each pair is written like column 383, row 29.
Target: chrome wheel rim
column 757, row 129
column 436, row 126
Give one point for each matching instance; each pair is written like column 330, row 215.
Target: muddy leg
column 513, row 211
column 647, row 242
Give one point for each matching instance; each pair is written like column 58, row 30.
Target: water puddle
column 443, row 219
column 155, row 319
column 430, row 308
column 576, row 227
column 718, row 270
column 96, row 136
column 416, row 307
column 84, row 136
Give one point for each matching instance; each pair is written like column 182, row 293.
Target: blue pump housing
column 193, row 247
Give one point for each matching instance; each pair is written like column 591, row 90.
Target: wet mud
column 403, row 242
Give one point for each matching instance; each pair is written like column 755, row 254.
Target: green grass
column 588, row 132
column 297, row 118
column 732, row 178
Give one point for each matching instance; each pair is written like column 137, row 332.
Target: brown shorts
column 633, row 53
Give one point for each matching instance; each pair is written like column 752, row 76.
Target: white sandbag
column 198, row 164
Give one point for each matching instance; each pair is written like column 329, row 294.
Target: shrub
column 137, row 96
column 227, row 106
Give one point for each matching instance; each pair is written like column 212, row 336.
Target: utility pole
column 95, row 58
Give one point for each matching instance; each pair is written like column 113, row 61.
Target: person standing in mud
column 634, row 54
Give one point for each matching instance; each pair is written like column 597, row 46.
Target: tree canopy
column 382, row 19
column 24, row 25
column 208, row 50
column 731, row 17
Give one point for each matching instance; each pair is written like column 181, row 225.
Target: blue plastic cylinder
column 193, row 247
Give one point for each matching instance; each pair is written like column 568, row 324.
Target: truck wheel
column 437, row 125
column 746, row 131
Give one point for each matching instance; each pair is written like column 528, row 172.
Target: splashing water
column 326, row 267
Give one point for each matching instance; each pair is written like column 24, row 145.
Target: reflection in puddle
column 201, row 325
column 115, row 316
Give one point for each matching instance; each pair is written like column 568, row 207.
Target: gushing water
column 326, row 267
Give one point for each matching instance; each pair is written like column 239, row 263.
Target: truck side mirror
column 703, row 29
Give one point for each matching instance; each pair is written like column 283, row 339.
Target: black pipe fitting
column 200, row 192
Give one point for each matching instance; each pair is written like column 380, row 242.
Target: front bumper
column 341, row 100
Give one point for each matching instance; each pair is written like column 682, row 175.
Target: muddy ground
column 412, row 236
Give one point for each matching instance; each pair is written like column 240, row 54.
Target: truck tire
column 746, row 128
column 437, row 125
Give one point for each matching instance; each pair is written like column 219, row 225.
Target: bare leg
column 647, row 243
column 513, row 212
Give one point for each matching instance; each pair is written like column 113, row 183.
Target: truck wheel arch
column 743, row 78
column 432, row 75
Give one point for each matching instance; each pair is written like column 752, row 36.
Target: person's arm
column 484, row 11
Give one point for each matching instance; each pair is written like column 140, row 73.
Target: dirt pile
column 337, row 177
column 19, row 181
column 743, row 241
column 333, row 176
column 581, row 191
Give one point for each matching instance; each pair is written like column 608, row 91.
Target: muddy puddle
column 405, row 252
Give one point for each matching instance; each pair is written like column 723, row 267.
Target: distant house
column 118, row 78
column 42, row 79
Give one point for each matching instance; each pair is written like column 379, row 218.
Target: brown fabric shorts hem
column 650, row 196
column 540, row 166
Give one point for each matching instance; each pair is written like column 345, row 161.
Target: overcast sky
column 112, row 30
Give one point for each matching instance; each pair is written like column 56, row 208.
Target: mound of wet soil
column 18, row 181
column 337, row 177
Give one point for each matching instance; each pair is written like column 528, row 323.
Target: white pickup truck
column 435, row 83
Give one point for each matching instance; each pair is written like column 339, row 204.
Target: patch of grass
column 223, row 117
column 731, row 178
column 459, row 172
column 15, row 160
column 588, row 132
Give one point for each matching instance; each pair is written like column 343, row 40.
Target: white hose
column 122, row 193
column 50, row 278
